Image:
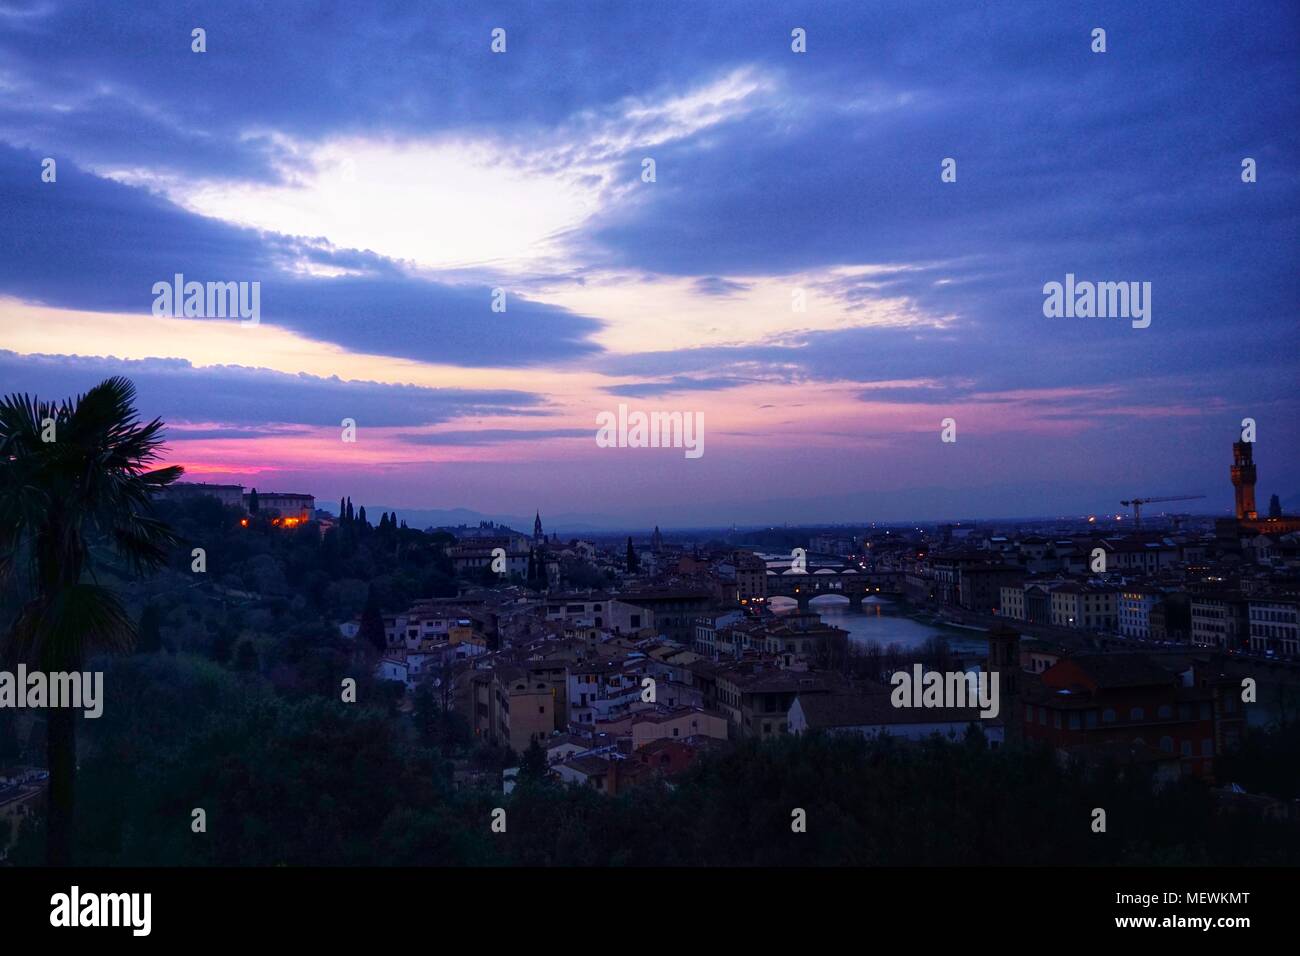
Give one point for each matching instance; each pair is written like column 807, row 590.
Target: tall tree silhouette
column 372, row 622
column 67, row 507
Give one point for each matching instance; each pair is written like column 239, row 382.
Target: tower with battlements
column 1243, row 479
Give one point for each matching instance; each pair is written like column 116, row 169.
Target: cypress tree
column 372, row 622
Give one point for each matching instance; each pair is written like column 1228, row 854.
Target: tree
column 253, row 506
column 349, row 511
column 361, row 517
column 372, row 622
column 245, row 657
column 343, row 511
column 150, row 639
column 533, row 765
column 633, row 563
column 90, row 486
column 1274, row 507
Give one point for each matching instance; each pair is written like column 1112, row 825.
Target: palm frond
column 59, row 630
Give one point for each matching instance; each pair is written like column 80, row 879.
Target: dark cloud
column 679, row 383
column 715, row 285
column 175, row 390
column 494, row 436
column 85, row 242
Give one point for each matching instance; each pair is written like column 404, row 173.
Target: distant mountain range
column 926, row 505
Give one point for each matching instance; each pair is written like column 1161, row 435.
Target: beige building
column 1012, row 602
column 1084, row 607
column 512, row 707
column 677, row 724
column 757, row 702
column 751, row 577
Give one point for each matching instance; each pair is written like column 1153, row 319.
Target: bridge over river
column 848, row 581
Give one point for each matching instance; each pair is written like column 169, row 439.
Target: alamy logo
column 958, row 689
column 78, row 691
column 134, row 910
column 651, row 430
column 212, row 300
column 1100, row 300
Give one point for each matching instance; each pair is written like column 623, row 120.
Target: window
column 1090, row 719
column 1074, row 720
column 1137, row 713
column 1186, row 748
column 1108, row 715
column 1207, row 747
column 1165, row 712
column 1167, row 744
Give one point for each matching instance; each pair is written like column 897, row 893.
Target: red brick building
column 1106, row 699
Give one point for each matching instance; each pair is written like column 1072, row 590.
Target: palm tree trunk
column 61, row 760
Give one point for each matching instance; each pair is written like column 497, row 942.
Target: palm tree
column 75, row 495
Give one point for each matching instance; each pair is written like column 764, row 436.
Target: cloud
column 84, row 242
column 716, row 285
column 678, row 383
column 775, row 172
column 175, row 390
column 492, row 436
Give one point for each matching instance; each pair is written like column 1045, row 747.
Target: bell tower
column 1243, row 479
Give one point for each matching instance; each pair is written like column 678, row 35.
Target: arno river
column 880, row 621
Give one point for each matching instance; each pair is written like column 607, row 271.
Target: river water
column 881, row 621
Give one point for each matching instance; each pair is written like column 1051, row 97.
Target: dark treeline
column 308, row 779
column 326, row 574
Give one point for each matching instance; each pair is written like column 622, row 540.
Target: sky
column 386, row 178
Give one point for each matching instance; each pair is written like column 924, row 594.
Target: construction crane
column 1137, row 504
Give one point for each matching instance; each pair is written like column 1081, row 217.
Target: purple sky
column 380, row 172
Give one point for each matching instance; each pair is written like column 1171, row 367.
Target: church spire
column 537, row 528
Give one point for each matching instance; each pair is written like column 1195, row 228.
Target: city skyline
column 379, row 210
